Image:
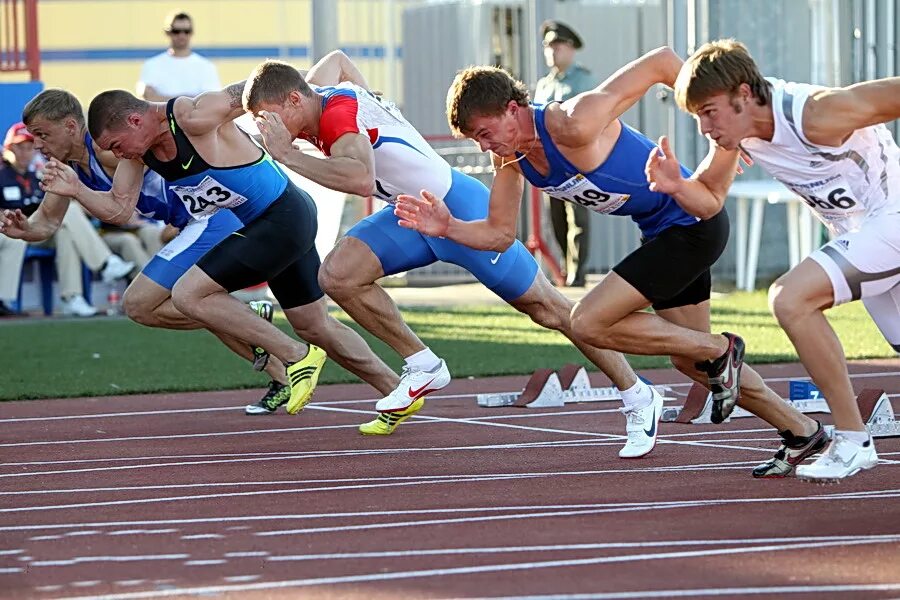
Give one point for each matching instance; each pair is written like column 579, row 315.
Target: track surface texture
column 174, row 495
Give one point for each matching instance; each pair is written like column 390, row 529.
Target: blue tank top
column 247, row 189
column 617, row 187
column 154, row 201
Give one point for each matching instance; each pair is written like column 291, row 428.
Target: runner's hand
column 14, row 223
column 60, row 179
column 427, row 214
column 277, row 139
column 663, row 169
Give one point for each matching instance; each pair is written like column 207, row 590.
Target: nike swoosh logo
column 187, row 165
column 496, row 258
column 652, row 430
column 416, row 393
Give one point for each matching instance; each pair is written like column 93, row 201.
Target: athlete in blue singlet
column 580, row 151
column 57, row 119
column 211, row 165
column 372, row 149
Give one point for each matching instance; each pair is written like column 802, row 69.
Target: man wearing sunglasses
column 178, row 71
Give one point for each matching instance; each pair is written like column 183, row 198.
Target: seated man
column 76, row 240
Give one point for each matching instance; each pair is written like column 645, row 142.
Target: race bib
column 582, row 191
column 207, row 197
column 832, row 199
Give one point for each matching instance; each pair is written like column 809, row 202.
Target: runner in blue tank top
column 57, row 119
column 580, row 151
column 211, row 165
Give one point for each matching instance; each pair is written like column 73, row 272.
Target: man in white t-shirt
column 178, row 71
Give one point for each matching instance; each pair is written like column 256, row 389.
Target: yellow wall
column 104, row 28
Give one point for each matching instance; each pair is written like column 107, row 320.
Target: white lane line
column 414, row 552
column 9, row 571
column 479, row 509
column 364, row 400
column 509, row 567
column 241, row 578
column 203, row 563
column 11, row 552
column 398, row 484
column 203, row 536
column 622, row 507
column 704, row 592
column 106, row 559
column 383, row 479
column 143, row 532
column 250, row 554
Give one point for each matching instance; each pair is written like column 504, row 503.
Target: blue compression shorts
column 195, row 240
column 508, row 274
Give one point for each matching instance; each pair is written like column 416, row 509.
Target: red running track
column 172, row 495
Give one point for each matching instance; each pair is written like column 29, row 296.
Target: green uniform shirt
column 556, row 86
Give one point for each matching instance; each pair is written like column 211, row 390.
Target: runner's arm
column 42, row 223
column 830, row 116
column 335, row 67
column 589, row 113
column 204, row 113
column 115, row 206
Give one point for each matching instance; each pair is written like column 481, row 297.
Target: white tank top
column 845, row 185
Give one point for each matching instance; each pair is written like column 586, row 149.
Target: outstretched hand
column 59, row 178
column 663, row 169
column 276, row 137
column 13, row 223
column 427, row 214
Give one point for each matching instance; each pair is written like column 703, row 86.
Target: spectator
column 76, row 241
column 571, row 223
column 178, row 71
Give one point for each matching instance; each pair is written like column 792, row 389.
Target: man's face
column 291, row 111
column 55, row 139
column 23, row 152
column 128, row 142
column 559, row 54
column 180, row 33
column 724, row 119
column 497, row 133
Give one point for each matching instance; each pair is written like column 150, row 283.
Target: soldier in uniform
column 571, row 223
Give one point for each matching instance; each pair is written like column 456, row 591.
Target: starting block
column 548, row 388
column 874, row 406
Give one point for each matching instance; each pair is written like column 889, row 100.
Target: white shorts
column 865, row 265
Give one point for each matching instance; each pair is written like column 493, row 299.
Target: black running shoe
column 793, row 451
column 264, row 309
column 277, row 395
column 725, row 378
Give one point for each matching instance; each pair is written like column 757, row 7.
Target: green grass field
column 97, row 357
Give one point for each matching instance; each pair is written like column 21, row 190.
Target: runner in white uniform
column 829, row 145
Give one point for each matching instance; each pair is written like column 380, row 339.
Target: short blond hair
column 481, row 91
column 719, row 67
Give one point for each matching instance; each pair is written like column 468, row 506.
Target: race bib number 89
column 207, row 197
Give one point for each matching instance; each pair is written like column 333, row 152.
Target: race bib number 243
column 207, row 197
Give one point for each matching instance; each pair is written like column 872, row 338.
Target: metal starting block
column 548, row 388
column 874, row 406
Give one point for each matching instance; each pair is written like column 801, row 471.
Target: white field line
column 498, row 568
column 364, row 400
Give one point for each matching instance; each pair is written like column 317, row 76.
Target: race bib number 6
column 207, row 197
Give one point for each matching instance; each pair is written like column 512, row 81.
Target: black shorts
column 673, row 269
column 278, row 247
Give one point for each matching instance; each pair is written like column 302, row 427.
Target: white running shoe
column 841, row 459
column 115, row 268
column 642, row 427
column 414, row 384
column 78, row 306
